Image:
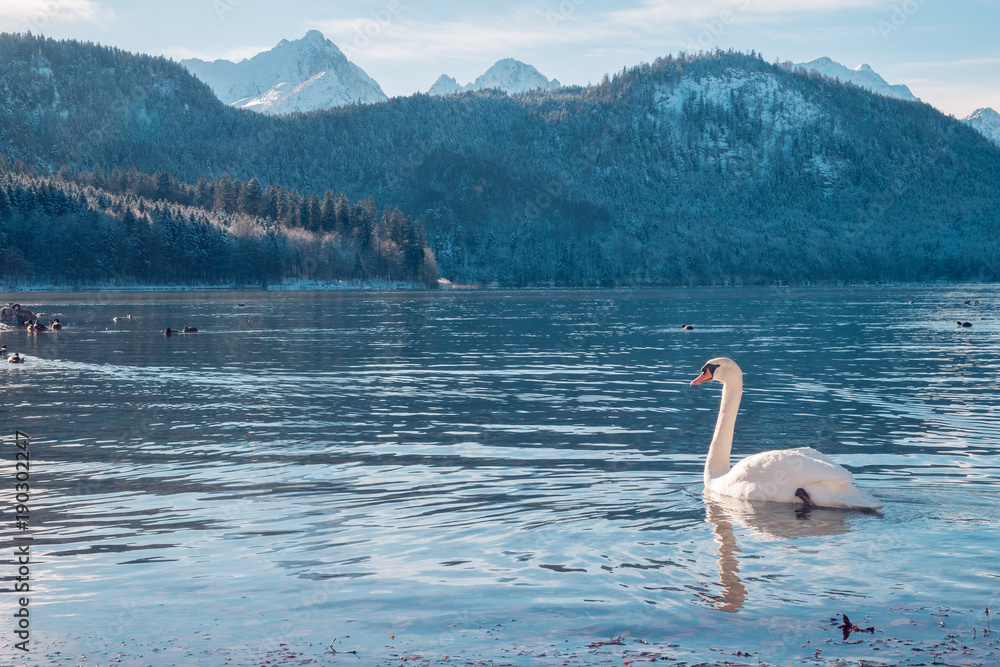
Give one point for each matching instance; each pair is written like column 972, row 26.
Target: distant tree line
column 134, row 228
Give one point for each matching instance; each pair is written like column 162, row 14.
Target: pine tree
column 413, row 247
column 203, row 193
column 225, row 194
column 162, row 188
column 250, row 198
column 315, row 215
column 98, row 177
column 328, row 214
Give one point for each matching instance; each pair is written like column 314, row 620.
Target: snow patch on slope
column 760, row 101
column 761, row 95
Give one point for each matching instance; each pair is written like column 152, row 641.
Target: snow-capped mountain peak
column 306, row 74
column 509, row 75
column 445, row 85
column 862, row 76
column 986, row 121
column 513, row 76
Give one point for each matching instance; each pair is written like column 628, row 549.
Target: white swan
column 785, row 476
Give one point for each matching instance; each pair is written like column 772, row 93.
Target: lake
column 464, row 476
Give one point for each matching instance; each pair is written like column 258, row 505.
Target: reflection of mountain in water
column 766, row 521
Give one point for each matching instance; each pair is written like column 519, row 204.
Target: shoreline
column 287, row 286
column 301, row 285
column 905, row 635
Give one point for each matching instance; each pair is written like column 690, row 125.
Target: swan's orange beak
column 705, row 376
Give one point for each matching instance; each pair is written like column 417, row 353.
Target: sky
column 948, row 53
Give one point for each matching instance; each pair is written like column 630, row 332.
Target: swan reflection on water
column 765, row 521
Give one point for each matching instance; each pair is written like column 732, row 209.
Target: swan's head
column 720, row 369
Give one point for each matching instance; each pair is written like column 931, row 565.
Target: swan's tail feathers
column 836, row 493
column 865, row 500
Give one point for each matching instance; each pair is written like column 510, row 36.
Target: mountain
column 719, row 168
column 308, row 74
column 445, row 85
column 863, row 75
column 986, row 121
column 509, row 75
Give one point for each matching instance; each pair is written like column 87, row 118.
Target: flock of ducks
column 36, row 325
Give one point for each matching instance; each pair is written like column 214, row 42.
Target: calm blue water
column 500, row 475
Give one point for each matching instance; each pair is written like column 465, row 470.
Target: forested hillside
column 133, row 228
column 719, row 168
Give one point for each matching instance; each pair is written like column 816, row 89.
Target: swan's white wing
column 799, row 466
column 776, row 475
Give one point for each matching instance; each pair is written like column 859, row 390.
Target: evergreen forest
column 716, row 168
column 130, row 228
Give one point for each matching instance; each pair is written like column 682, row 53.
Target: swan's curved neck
column 717, row 463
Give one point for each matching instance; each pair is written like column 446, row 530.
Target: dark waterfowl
column 16, row 314
column 964, row 324
column 687, row 327
column 15, row 359
column 189, row 330
column 3, row 350
column 169, row 332
column 38, row 326
column 55, row 325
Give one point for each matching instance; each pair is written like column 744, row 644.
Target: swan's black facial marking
column 707, row 373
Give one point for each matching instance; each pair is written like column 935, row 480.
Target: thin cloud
column 964, row 62
column 813, row 35
column 662, row 13
column 35, row 15
column 657, row 25
column 403, row 38
column 799, row 7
